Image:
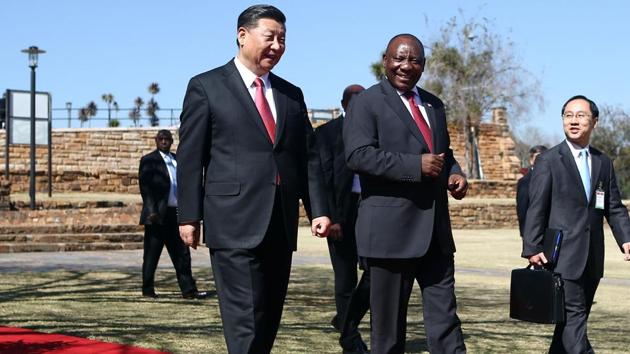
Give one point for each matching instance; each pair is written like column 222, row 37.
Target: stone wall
column 5, row 194
column 106, row 160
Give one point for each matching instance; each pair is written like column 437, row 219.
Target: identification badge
column 599, row 197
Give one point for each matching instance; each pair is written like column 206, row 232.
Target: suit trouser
column 571, row 336
column 251, row 286
column 343, row 256
column 358, row 305
column 155, row 238
column 391, row 284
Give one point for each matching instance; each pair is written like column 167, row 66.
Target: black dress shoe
column 151, row 295
column 358, row 347
column 198, row 295
column 335, row 323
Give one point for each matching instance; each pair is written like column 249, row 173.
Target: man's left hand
column 320, row 226
column 626, row 251
column 458, row 186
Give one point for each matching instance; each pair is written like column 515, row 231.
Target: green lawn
column 106, row 305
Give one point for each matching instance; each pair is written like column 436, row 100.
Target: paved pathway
column 312, row 251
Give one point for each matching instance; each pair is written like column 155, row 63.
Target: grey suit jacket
column 228, row 165
column 401, row 210
column 557, row 200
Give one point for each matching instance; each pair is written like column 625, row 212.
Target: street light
column 69, row 108
column 33, row 55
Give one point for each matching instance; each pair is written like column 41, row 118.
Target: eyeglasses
column 578, row 115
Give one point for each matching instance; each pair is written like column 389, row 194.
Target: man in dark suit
column 522, row 187
column 342, row 191
column 158, row 187
column 243, row 168
column 396, row 139
column 573, row 188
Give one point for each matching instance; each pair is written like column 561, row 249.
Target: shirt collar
column 416, row 95
column 575, row 149
column 164, row 154
column 248, row 76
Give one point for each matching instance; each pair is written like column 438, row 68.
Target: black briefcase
column 536, row 295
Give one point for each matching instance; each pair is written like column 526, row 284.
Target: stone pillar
column 499, row 115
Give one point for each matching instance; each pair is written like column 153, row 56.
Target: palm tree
column 83, row 116
column 136, row 112
column 152, row 105
column 108, row 98
column 91, row 110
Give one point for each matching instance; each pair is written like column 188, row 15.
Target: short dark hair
column 591, row 104
column 249, row 18
column 537, row 149
column 164, row 132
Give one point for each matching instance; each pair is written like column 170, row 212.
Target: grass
column 106, row 305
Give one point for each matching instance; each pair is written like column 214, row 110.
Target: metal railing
column 167, row 117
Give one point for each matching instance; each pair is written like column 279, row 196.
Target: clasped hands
column 432, row 167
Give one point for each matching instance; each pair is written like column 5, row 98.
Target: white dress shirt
column 249, row 78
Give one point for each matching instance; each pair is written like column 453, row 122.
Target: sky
column 121, row 46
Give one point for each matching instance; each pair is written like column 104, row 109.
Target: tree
column 108, row 98
column 83, row 116
column 473, row 71
column 91, row 110
column 152, row 105
column 136, row 112
column 612, row 136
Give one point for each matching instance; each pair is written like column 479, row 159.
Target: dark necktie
column 263, row 108
column 420, row 122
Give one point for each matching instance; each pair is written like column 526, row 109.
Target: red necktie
column 420, row 122
column 265, row 112
column 263, row 108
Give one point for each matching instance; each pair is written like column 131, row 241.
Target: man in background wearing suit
column 573, row 188
column 522, row 187
column 342, row 191
column 396, row 139
column 243, row 168
column 158, row 187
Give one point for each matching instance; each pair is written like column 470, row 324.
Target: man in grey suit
column 396, row 139
column 573, row 188
column 242, row 170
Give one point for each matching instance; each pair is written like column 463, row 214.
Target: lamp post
column 33, row 54
column 69, row 108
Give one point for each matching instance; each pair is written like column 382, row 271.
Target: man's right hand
column 538, row 259
column 189, row 233
column 432, row 164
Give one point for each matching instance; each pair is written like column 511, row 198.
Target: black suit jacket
column 336, row 175
column 228, row 165
column 522, row 199
column 155, row 184
column 557, row 200
column 401, row 210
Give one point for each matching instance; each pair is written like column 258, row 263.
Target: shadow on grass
column 107, row 305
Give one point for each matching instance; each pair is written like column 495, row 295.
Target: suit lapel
column 159, row 160
column 434, row 128
column 395, row 103
column 234, row 82
column 280, row 100
column 567, row 159
column 596, row 166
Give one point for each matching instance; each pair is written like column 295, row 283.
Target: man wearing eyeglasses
column 572, row 188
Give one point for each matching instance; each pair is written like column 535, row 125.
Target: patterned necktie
column 263, row 108
column 585, row 173
column 419, row 119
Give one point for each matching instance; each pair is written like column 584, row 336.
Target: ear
column 240, row 36
column 595, row 121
